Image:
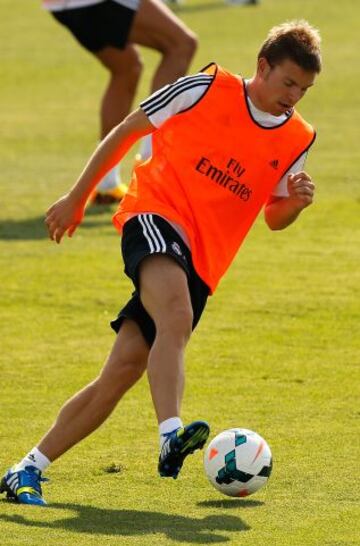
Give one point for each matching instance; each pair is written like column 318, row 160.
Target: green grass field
column 277, row 351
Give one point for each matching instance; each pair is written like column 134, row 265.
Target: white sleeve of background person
column 280, row 189
column 175, row 98
column 60, row 5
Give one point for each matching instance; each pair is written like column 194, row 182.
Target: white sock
column 111, row 180
column 169, row 425
column 146, row 147
column 33, row 458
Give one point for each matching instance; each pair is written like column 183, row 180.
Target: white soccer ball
column 238, row 462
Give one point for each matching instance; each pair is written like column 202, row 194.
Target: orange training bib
column 212, row 169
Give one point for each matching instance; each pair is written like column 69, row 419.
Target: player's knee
column 136, row 68
column 133, row 77
column 181, row 47
column 191, row 44
column 177, row 323
column 128, row 372
column 127, row 66
column 112, row 385
column 130, row 73
column 186, row 46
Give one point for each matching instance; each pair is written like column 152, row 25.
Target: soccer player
column 224, row 147
column 110, row 30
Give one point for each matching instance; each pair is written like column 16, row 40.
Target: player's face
column 283, row 85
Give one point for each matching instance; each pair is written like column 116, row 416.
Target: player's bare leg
column 125, row 69
column 89, row 408
column 156, row 27
column 81, row 415
column 165, row 295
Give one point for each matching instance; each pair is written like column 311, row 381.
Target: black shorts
column 146, row 235
column 98, row 26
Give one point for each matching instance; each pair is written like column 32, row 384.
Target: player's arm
column 67, row 213
column 280, row 212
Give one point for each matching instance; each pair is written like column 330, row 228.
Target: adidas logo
column 274, row 164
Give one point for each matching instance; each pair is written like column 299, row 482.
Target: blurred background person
column 110, row 30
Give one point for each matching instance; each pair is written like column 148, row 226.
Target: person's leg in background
column 155, row 26
column 125, row 67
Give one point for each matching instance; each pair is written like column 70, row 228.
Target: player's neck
column 255, row 95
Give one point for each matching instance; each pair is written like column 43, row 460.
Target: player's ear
column 263, row 67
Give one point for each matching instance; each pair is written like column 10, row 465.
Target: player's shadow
column 33, row 229
column 123, row 523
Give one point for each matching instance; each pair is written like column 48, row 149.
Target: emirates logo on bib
column 274, row 164
column 226, row 176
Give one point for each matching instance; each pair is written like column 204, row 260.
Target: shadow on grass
column 99, row 521
column 230, row 503
column 31, row 229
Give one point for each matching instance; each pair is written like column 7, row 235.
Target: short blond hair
column 294, row 40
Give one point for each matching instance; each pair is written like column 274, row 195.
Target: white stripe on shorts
column 152, row 233
column 162, row 240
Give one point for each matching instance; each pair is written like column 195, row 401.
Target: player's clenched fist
column 301, row 188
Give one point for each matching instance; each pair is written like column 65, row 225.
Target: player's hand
column 301, row 189
column 62, row 217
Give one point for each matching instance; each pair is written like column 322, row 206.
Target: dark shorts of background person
column 146, row 235
column 98, row 26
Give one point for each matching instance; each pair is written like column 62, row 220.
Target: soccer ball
column 238, row 462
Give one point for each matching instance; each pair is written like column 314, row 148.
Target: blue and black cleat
column 23, row 486
column 179, row 444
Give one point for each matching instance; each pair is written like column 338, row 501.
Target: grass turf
column 278, row 348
